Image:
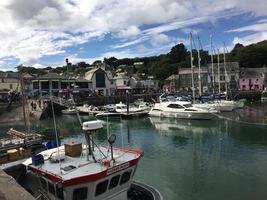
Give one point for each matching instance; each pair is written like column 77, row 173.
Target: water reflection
column 216, row 159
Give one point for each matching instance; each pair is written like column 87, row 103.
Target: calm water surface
column 219, row 159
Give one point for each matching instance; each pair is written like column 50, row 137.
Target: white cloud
column 30, row 30
column 129, row 31
column 250, row 39
column 159, row 39
column 257, row 33
column 257, row 27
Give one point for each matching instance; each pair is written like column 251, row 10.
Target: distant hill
column 251, row 56
column 164, row 65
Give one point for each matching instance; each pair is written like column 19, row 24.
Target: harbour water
column 224, row 158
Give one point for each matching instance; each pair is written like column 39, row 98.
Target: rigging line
column 225, row 47
column 201, row 47
column 194, row 44
column 55, row 127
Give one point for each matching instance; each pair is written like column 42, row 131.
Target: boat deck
column 73, row 167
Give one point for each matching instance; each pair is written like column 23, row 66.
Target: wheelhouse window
column 80, row 194
column 177, row 106
column 59, row 191
column 101, row 187
column 188, row 105
column 114, row 181
column 51, row 188
column 43, row 183
column 125, row 177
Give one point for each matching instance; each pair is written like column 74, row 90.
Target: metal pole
column 212, row 72
column 219, row 73
column 192, row 68
column 199, row 75
column 225, row 72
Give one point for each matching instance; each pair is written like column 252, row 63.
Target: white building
column 102, row 81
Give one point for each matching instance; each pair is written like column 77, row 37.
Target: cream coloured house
column 102, row 81
column 9, row 81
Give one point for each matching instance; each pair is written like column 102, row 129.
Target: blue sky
column 43, row 33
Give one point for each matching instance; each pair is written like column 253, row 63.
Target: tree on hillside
column 178, row 53
column 111, row 61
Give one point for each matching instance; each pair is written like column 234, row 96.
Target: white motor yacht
column 69, row 111
column 122, row 108
column 182, row 110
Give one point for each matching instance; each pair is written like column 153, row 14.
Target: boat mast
column 219, row 73
column 199, row 75
column 225, row 72
column 212, row 72
column 24, row 102
column 192, row 67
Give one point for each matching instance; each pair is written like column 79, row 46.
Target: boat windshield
column 187, row 105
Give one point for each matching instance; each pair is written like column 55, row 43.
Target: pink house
column 251, row 80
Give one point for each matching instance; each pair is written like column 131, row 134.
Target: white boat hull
column 182, row 115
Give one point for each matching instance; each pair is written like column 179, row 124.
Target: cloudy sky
column 45, row 32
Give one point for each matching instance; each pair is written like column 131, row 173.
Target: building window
column 35, row 85
column 114, row 182
column 125, row 177
column 45, row 85
column 51, row 188
column 55, row 84
column 124, row 82
column 10, row 86
column 232, row 78
column 101, row 187
column 100, row 80
column 80, row 194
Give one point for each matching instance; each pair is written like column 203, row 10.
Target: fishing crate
column 73, row 149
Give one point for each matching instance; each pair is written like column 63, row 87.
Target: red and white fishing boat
column 87, row 171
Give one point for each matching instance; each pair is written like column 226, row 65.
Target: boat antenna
column 192, row 67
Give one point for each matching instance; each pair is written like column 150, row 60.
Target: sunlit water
column 218, row 159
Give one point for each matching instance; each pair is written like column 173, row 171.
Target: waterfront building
column 53, row 83
column 9, row 81
column 252, row 79
column 102, row 80
column 230, row 78
column 171, row 84
column 122, row 83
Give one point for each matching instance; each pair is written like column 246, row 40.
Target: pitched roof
column 172, row 77
column 51, row 75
